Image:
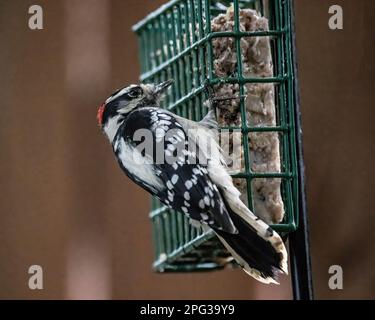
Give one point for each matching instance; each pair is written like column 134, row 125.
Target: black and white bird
column 202, row 189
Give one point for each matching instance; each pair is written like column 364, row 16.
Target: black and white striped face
column 120, row 102
column 113, row 111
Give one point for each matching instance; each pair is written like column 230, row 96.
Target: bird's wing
column 179, row 164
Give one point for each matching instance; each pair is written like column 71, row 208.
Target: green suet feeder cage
column 176, row 42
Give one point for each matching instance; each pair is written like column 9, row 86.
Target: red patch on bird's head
column 99, row 115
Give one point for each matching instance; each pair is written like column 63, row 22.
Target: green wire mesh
column 163, row 55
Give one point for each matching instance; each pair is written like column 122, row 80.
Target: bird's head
column 121, row 102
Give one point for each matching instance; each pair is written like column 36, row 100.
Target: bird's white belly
column 137, row 165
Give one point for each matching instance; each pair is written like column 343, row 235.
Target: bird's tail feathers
column 256, row 247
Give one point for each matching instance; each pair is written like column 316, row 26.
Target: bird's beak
column 162, row 87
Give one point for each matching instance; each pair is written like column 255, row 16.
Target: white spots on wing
column 194, row 179
column 206, row 200
column 159, row 134
column 201, row 204
column 169, row 185
column 170, row 195
column 175, row 165
column 184, row 209
column 164, row 122
column 188, row 184
column 221, row 207
column 181, row 160
column 187, row 195
column 187, row 204
column 174, row 178
column 160, row 125
column 191, row 154
column 164, row 115
column 155, row 120
column 204, row 216
column 196, row 171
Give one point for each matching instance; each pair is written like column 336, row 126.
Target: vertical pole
column 299, row 245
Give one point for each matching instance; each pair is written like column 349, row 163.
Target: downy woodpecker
column 202, row 189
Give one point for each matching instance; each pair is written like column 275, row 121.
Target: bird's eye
column 135, row 92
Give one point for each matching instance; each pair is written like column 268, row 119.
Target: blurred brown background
column 65, row 205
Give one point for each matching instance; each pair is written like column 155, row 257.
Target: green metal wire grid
column 175, row 42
